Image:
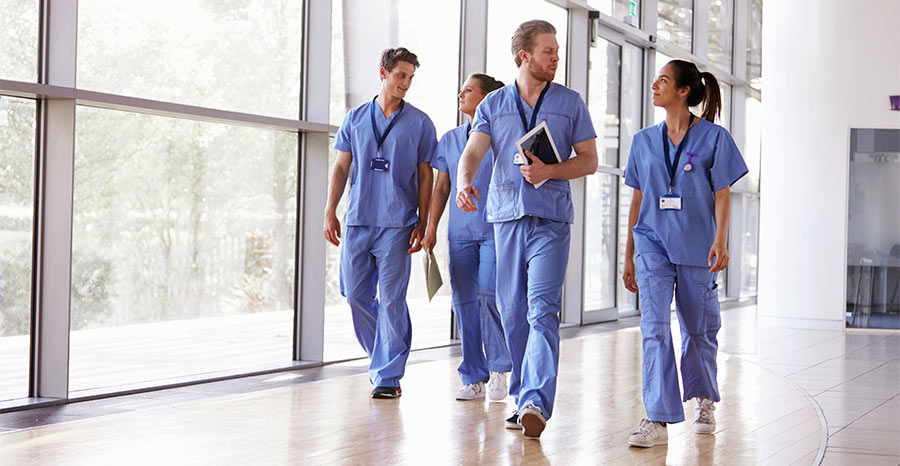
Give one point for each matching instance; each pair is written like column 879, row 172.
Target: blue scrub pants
column 473, row 273
column 697, row 306
column 531, row 267
column 376, row 257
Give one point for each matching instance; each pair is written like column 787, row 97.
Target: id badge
column 669, row 202
column 379, row 164
column 519, row 159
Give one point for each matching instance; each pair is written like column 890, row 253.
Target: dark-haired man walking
column 384, row 147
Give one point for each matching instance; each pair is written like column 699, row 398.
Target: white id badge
column 518, row 159
column 670, row 202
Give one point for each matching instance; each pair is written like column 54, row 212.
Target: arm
column 582, row 164
column 469, row 162
column 719, row 249
column 426, row 178
column 628, row 276
column 438, row 202
column 339, row 175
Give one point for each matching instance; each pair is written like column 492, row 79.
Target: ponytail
column 686, row 74
column 712, row 100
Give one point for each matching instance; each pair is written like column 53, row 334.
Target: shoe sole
column 704, row 432
column 512, row 426
column 481, row 397
column 385, row 396
column 533, row 425
column 650, row 445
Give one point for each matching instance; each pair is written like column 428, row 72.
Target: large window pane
column 625, row 10
column 603, row 98
column 754, row 43
column 600, row 244
column 752, row 141
column 19, row 46
column 356, row 51
column 721, row 32
column 676, row 21
column 632, row 99
column 659, row 113
column 17, row 126
column 504, row 16
column 626, row 301
column 183, row 248
column 242, row 56
column 750, row 246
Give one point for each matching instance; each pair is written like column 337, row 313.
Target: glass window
column 242, row 56
column 676, row 21
column 626, row 301
column 600, row 245
column 750, row 245
column 625, row 10
column 752, row 142
column 659, row 113
column 754, row 43
column 19, row 47
column 354, row 79
column 504, row 16
column 17, row 133
column 632, row 99
column 183, row 248
column 721, row 32
column 603, row 98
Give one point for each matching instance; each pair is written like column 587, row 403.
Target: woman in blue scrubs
column 681, row 171
column 473, row 260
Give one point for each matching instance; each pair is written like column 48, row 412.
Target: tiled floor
column 775, row 383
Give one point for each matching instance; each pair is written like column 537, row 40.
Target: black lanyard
column 673, row 165
column 379, row 138
column 468, row 130
column 537, row 107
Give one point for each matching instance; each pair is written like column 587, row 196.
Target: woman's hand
column 718, row 254
column 628, row 275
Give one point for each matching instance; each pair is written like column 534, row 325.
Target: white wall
column 827, row 65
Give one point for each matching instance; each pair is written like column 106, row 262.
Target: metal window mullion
column 54, row 182
column 700, row 33
column 309, row 278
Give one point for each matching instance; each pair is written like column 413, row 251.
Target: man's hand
column 415, row 238
column 537, row 171
column 628, row 275
column 718, row 253
column 464, row 198
column 430, row 239
column 332, row 228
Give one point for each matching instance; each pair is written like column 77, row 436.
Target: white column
column 817, row 84
column 55, row 177
column 313, row 166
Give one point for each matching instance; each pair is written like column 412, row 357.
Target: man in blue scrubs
column 531, row 224
column 473, row 260
column 384, row 148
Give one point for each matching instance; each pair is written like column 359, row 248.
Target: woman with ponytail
column 681, row 170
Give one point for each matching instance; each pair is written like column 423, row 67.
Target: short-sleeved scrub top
column 464, row 225
column 510, row 197
column 385, row 198
column 684, row 235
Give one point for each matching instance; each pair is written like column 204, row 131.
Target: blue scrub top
column 463, row 225
column 684, row 235
column 389, row 198
column 510, row 197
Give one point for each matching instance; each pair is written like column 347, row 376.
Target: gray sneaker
column 705, row 419
column 533, row 421
column 649, row 434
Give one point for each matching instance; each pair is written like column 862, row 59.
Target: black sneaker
column 513, row 421
column 386, row 392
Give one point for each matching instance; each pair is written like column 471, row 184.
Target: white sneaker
column 705, row 420
column 497, row 386
column 472, row 391
column 533, row 421
column 649, row 434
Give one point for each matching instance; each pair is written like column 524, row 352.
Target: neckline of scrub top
column 379, row 138
column 672, row 166
column 537, row 106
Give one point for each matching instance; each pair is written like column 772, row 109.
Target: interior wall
column 828, row 65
